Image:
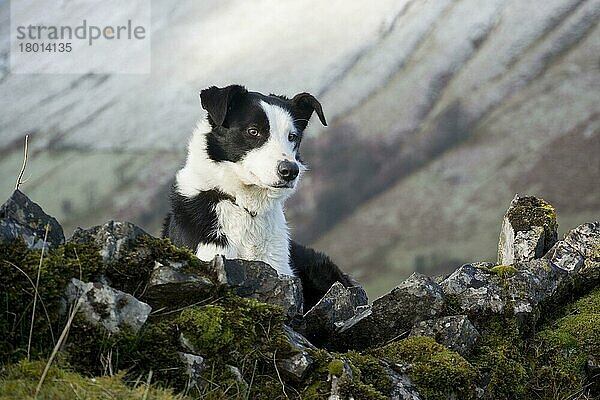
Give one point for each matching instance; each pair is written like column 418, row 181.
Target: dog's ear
column 217, row 101
column 303, row 105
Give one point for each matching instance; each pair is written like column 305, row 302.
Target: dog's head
column 258, row 135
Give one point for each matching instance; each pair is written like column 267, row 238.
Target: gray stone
column 391, row 316
column 586, row 240
column 528, row 230
column 359, row 296
column 335, row 307
column 415, row 299
column 112, row 238
column 258, row 280
column 479, row 290
column 296, row 366
column 169, row 286
column 194, row 365
column 101, row 304
column 455, row 332
column 565, row 257
column 529, row 245
column 535, row 281
column 402, row 387
column 21, row 217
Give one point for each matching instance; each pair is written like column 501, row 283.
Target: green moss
column 368, row 370
column 369, row 379
column 354, row 388
column 561, row 350
column 437, row 372
column 19, row 381
column 499, row 357
column 316, row 386
column 336, row 367
column 18, row 268
column 504, row 271
column 206, row 329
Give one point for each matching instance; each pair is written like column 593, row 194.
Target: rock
column 169, row 286
column 101, row 304
column 359, row 296
column 296, row 366
column 402, row 387
column 478, row 290
column 529, row 230
column 194, row 364
column 535, row 282
column 260, row 281
column 112, row 238
column 565, row 257
column 416, row 299
column 586, row 240
column 335, row 307
column 21, row 217
column 391, row 316
column 455, row 332
column 579, row 244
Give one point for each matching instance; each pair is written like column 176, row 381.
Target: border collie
column 242, row 164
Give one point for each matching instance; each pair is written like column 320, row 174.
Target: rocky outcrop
column 237, row 328
column 22, row 218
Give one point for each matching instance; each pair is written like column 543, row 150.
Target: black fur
column 193, row 220
column 317, row 273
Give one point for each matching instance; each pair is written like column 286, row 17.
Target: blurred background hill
column 439, row 112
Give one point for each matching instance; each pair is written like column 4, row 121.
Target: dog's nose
column 287, row 170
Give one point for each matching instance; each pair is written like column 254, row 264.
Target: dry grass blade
column 279, row 376
column 57, row 346
column 25, row 155
column 40, row 297
column 147, row 385
column 35, row 297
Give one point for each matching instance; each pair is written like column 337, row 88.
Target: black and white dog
column 243, row 162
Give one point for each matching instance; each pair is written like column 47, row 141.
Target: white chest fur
column 263, row 237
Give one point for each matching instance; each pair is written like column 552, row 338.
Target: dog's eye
column 253, row 132
column 292, row 137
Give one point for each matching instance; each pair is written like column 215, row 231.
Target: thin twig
column 251, row 379
column 19, row 181
column 37, row 284
column 279, row 376
column 58, row 345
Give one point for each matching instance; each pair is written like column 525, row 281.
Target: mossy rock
column 530, row 211
column 437, row 372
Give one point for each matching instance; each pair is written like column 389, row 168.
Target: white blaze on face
column 261, row 163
